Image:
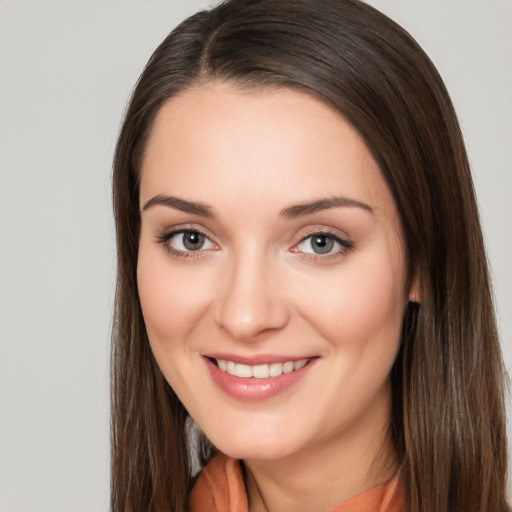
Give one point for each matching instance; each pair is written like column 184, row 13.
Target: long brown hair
column 448, row 405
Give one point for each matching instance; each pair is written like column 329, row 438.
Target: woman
column 301, row 270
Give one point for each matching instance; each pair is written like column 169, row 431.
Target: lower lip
column 253, row 389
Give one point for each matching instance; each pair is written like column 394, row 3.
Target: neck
column 325, row 474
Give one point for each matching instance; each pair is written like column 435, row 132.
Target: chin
column 251, row 452
column 247, row 446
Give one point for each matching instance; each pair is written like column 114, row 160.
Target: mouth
column 259, row 371
column 256, row 382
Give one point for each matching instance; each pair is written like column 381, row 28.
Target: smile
column 256, row 382
column 259, row 371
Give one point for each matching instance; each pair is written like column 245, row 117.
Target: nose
column 251, row 302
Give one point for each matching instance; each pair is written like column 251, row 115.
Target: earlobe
column 415, row 289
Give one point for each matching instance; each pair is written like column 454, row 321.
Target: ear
column 415, row 289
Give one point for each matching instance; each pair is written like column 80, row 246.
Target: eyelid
column 342, row 240
column 320, row 229
column 166, row 236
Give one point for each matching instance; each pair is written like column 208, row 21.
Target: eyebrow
column 291, row 212
column 180, row 204
column 302, row 209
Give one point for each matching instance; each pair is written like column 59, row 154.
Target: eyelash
column 165, row 238
column 345, row 245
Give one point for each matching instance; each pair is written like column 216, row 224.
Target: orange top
column 221, row 488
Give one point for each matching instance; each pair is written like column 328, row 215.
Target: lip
column 255, row 359
column 254, row 389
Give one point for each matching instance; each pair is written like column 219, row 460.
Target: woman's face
column 271, row 270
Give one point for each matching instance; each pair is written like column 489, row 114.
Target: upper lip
column 256, row 359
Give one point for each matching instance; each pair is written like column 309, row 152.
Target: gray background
column 66, row 70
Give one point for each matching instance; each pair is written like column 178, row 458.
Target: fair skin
column 229, row 271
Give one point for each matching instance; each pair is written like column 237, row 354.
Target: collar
column 221, row 488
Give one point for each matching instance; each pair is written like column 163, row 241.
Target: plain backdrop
column 66, row 70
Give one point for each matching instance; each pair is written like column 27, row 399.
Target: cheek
column 359, row 308
column 171, row 300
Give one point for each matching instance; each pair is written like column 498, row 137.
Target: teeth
column 260, row 371
column 288, row 367
column 231, row 367
column 299, row 364
column 243, row 370
column 276, row 369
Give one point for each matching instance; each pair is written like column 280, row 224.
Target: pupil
column 193, row 241
column 322, row 244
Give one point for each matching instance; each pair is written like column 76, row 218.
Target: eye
column 323, row 244
column 186, row 241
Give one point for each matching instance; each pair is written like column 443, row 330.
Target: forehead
column 277, row 143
